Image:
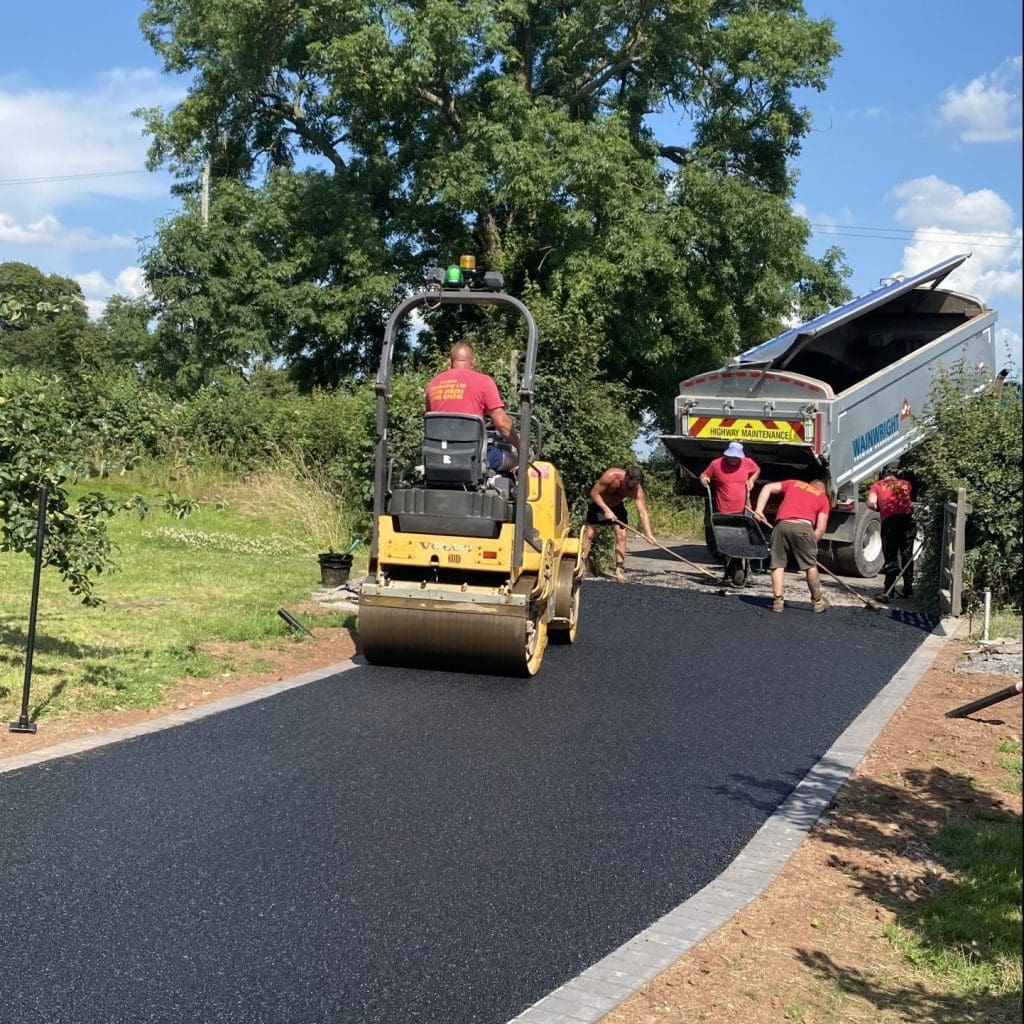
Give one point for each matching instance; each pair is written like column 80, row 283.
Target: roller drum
column 463, row 636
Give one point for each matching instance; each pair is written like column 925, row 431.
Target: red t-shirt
column 801, row 501
column 462, row 390
column 730, row 483
column 893, row 496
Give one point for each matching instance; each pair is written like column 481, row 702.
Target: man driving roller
column 463, row 389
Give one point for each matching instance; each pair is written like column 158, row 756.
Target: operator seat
column 454, row 449
column 460, row 497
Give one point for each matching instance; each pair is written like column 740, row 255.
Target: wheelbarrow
column 735, row 539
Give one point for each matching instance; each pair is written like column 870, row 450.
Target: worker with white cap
column 732, row 477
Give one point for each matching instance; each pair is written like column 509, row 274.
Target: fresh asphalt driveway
column 401, row 846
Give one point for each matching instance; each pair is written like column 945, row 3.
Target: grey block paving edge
column 589, row 996
column 79, row 746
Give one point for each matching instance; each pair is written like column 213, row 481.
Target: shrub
column 39, row 449
column 974, row 443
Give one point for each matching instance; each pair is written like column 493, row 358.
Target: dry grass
column 310, row 511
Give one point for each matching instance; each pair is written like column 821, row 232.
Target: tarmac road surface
column 397, row 846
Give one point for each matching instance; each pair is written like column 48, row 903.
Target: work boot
column 778, row 603
column 818, row 603
column 591, row 568
column 620, row 573
column 908, row 592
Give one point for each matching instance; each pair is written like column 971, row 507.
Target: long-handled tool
column 873, row 605
column 694, row 565
column 918, row 548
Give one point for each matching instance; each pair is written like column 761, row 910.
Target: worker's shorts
column 495, row 458
column 794, row 540
column 595, row 515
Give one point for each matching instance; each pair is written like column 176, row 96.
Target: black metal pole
column 985, row 702
column 293, row 623
column 23, row 724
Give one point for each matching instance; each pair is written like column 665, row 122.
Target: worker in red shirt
column 891, row 497
column 461, row 388
column 731, row 478
column 800, row 523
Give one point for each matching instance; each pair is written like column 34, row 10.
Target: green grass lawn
column 969, row 932
column 222, row 572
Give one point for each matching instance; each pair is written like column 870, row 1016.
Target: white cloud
column 925, row 200
column 131, row 283
column 64, row 134
column 97, row 288
column 988, row 108
column 48, row 232
column 947, row 221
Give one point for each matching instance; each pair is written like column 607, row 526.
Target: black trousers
column 898, row 551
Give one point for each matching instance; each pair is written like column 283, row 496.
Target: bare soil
column 811, row 948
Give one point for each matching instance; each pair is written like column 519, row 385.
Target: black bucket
column 334, row 569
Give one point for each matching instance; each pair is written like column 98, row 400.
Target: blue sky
column 915, row 155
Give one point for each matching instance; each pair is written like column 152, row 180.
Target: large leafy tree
column 396, row 134
column 44, row 324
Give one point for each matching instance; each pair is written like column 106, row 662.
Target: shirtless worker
column 607, row 504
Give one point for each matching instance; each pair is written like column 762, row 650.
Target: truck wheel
column 864, row 556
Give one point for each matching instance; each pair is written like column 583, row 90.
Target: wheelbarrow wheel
column 737, row 573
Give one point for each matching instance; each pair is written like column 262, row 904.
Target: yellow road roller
column 468, row 568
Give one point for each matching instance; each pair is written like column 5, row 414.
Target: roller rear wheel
column 567, row 603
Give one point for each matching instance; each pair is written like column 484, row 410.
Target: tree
column 35, row 451
column 279, row 271
column 44, row 323
column 126, row 336
column 522, row 132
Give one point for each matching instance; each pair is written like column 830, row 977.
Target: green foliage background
column 974, row 443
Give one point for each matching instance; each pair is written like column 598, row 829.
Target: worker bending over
column 800, row 523
column 607, row 504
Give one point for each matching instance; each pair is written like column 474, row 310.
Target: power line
column 911, row 231
column 69, row 177
column 852, row 231
column 838, row 230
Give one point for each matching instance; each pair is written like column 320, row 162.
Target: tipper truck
column 836, row 398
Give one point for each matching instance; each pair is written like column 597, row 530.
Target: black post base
column 22, row 726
